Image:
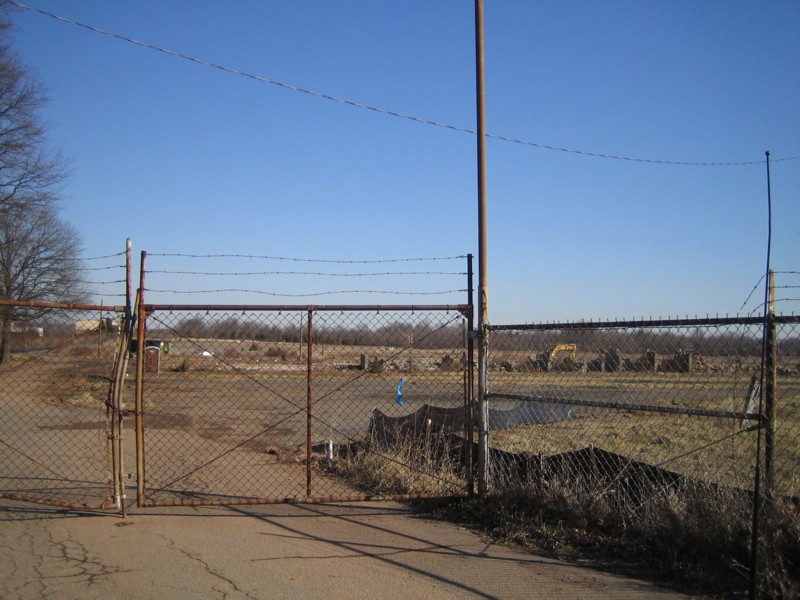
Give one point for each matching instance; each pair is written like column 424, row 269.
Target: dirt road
column 371, row 551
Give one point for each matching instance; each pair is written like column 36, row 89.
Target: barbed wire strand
column 93, row 282
column 252, row 273
column 103, row 257
column 313, row 294
column 104, row 268
column 385, row 111
column 753, row 291
column 309, row 260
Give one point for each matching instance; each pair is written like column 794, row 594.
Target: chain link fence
column 54, row 387
column 679, row 435
column 277, row 405
column 681, row 396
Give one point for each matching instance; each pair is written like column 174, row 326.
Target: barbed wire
column 753, row 291
column 309, row 260
column 760, row 306
column 104, row 268
column 103, row 257
column 99, row 295
column 777, row 287
column 385, row 111
column 304, row 295
column 106, row 282
column 255, row 273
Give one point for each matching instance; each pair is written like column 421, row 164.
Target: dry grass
column 695, row 537
column 425, row 467
column 716, row 449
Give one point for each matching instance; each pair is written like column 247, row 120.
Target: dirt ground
column 370, row 550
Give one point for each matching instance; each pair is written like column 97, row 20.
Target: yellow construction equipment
column 546, row 360
column 572, row 348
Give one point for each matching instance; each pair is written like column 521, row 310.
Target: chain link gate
column 57, row 423
column 253, row 405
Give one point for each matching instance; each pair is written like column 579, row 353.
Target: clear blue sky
column 184, row 158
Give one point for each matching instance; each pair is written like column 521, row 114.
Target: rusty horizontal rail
column 636, row 323
column 694, row 412
column 63, row 305
column 462, row 308
column 297, row 500
column 59, row 503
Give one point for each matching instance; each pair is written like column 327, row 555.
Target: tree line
column 39, row 251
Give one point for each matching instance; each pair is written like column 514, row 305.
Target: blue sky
column 185, row 158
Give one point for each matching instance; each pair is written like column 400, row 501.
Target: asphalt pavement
column 365, row 550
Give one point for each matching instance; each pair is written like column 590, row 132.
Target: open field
column 713, row 448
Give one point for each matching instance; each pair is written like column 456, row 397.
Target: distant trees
column 39, row 252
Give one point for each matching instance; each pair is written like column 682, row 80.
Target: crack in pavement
column 45, row 562
column 226, row 581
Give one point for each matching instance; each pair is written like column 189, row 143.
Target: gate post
column 140, row 335
column 469, row 393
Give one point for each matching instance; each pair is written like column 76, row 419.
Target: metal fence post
column 469, row 392
column 771, row 374
column 309, row 397
column 139, row 411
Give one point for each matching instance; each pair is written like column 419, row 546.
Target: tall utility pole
column 483, row 285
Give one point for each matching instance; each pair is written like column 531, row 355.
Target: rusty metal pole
column 140, row 338
column 126, row 333
column 128, row 274
column 483, row 286
column 309, row 399
column 469, row 394
column 112, row 410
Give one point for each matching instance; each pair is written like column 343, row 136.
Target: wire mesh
column 266, row 405
column 657, row 427
column 678, row 397
column 54, row 425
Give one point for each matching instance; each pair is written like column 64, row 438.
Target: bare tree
column 39, row 252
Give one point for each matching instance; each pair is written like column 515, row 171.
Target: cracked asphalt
column 371, row 550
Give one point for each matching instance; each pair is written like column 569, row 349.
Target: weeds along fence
column 666, row 434
column 680, row 396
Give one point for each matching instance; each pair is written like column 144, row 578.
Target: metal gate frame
column 147, row 311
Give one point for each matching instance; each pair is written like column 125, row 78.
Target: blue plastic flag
column 400, row 392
